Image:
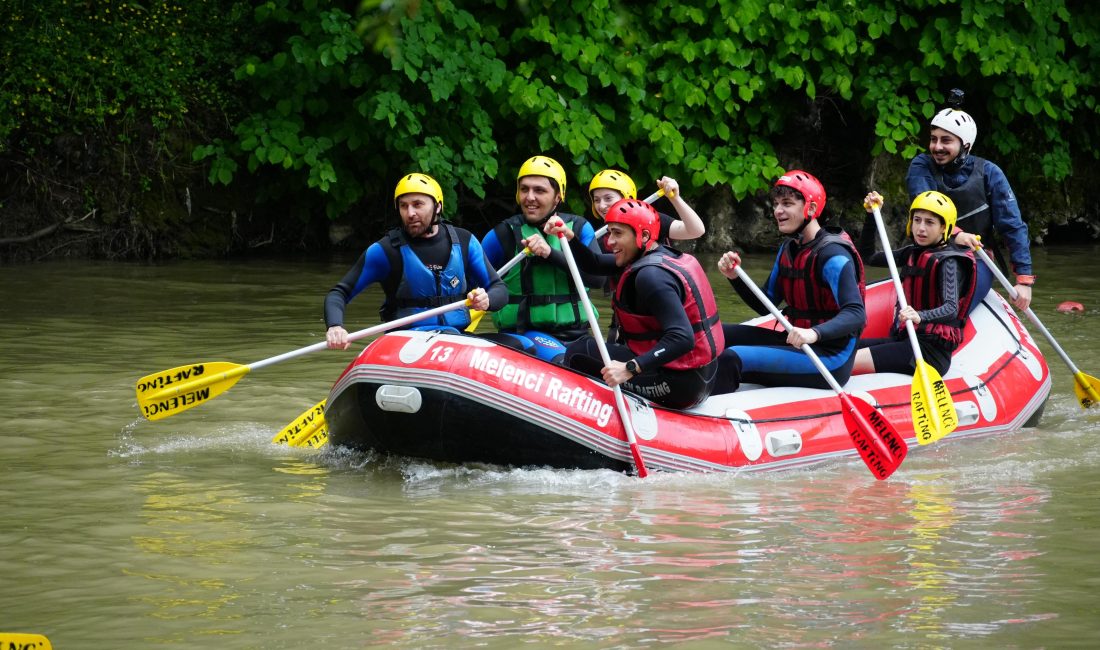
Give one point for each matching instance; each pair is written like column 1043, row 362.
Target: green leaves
column 466, row 94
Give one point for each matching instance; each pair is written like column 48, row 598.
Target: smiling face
column 417, row 213
column 537, row 198
column 602, row 199
column 927, row 228
column 623, row 243
column 788, row 211
column 943, row 146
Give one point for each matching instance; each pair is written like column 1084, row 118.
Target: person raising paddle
column 938, row 278
column 425, row 263
column 611, row 185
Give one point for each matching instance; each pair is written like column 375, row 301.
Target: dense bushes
column 340, row 99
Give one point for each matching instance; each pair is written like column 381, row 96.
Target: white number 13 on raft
column 441, row 353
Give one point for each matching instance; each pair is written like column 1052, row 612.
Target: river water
column 196, row 531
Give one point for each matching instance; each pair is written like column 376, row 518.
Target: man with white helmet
column 981, row 193
column 426, row 263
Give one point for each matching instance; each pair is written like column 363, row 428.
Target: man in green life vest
column 543, row 310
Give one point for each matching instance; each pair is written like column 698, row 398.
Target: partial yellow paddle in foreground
column 169, row 392
column 1087, row 387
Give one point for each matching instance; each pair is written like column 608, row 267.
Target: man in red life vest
column 819, row 275
column 665, row 307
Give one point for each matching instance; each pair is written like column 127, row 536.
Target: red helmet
column 812, row 190
column 639, row 215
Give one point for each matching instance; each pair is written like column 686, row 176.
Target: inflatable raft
column 462, row 399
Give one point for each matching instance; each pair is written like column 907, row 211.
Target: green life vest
column 540, row 295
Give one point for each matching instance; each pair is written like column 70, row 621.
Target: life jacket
column 642, row 331
column 920, row 278
column 975, row 215
column 412, row 287
column 809, row 299
column 540, row 295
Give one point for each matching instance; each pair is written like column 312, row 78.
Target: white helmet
column 959, row 124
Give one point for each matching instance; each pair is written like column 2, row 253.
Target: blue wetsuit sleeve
column 1007, row 220
column 838, row 271
column 920, row 177
column 659, row 293
column 492, row 249
column 481, row 274
column 372, row 266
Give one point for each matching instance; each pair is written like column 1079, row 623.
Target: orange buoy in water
column 1068, row 307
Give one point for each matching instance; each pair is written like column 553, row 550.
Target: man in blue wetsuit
column 981, row 194
column 819, row 274
column 665, row 307
column 426, row 263
column 543, row 309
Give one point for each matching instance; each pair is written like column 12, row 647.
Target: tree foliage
column 721, row 92
column 324, row 104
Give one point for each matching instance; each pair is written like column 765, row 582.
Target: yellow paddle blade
column 22, row 640
column 934, row 413
column 173, row 391
column 302, row 425
column 1087, row 389
column 317, row 437
column 475, row 318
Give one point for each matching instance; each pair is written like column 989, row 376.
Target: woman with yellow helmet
column 938, row 278
column 611, row 185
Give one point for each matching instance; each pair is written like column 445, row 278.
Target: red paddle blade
column 875, row 438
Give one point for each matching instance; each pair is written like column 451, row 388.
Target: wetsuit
column 762, row 356
column 434, row 255
column 985, row 204
column 658, row 295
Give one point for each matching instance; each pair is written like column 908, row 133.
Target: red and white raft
column 463, row 399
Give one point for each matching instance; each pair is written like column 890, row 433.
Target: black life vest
column 809, row 299
column 975, row 215
column 642, row 331
column 920, row 278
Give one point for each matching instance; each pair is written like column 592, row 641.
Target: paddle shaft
column 787, row 326
column 355, row 336
column 620, row 402
column 896, row 277
column 1035, row 320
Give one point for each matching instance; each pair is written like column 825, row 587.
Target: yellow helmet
column 420, row 184
column 613, row 179
column 939, row 205
column 542, row 166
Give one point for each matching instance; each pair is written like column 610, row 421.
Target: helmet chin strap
column 957, row 163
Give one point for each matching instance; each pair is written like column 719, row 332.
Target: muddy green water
column 195, row 531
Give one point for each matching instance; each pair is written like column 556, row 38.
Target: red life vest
column 920, row 278
column 642, row 331
column 809, row 299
